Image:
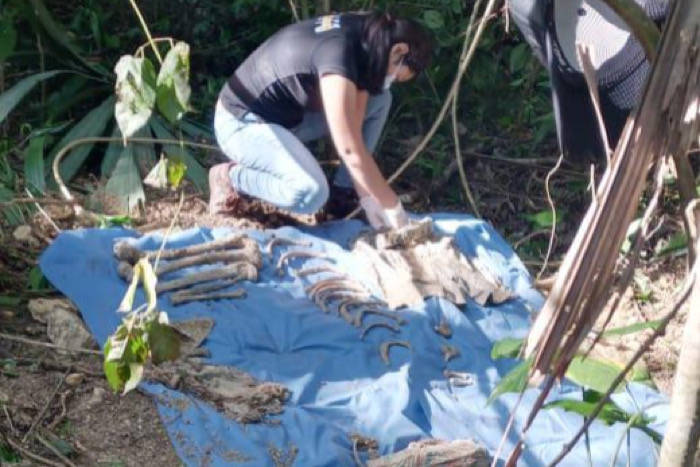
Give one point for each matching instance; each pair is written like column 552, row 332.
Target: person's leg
column 271, row 163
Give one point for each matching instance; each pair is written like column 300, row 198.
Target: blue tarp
column 339, row 384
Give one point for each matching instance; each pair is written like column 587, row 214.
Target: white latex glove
column 383, row 218
column 374, row 212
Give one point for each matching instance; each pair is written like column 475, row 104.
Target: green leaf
column 149, row 280
column 9, row 301
column 10, row 98
column 433, row 19
column 632, row 329
column 158, row 176
column 125, row 186
column 542, row 220
column 34, row 164
column 173, row 95
column 59, row 37
column 117, row 374
column 36, row 279
column 136, row 93
column 632, row 231
column 8, row 455
column 112, row 154
column 164, row 342
column 92, row 125
column 195, row 171
column 8, row 38
column 594, row 374
column 506, row 348
column 609, row 414
column 519, row 57
column 676, row 243
column 176, row 172
column 515, row 381
column 136, row 349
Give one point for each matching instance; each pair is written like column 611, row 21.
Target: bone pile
column 414, row 263
column 230, row 260
column 334, row 290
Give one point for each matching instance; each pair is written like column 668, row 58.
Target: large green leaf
column 59, row 36
column 92, row 125
column 174, row 83
column 8, row 38
column 594, row 374
column 195, row 171
column 34, row 164
column 506, row 348
column 112, row 153
column 10, row 98
column 164, row 342
column 144, row 153
column 136, row 93
column 632, row 329
column 609, row 414
column 514, row 381
column 125, row 186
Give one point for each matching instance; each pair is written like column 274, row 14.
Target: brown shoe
column 223, row 199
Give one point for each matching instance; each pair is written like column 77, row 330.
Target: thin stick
column 44, row 213
column 40, row 415
column 53, row 449
column 145, row 29
column 455, row 126
column 48, row 345
column 294, row 10
column 554, row 215
column 584, row 55
column 168, row 232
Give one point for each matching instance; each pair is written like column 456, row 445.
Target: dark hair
column 380, row 32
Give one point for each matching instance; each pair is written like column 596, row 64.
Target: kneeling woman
column 326, row 75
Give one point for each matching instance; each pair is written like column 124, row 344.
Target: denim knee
column 306, row 196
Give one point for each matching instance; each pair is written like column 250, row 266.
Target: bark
column 683, row 429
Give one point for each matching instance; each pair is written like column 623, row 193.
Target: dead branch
column 48, row 345
column 40, row 416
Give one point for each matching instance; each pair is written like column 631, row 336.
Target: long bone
column 241, row 270
column 125, row 251
column 186, row 298
column 206, row 288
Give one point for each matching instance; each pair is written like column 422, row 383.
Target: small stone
column 98, row 397
column 7, row 314
column 23, row 234
column 75, row 379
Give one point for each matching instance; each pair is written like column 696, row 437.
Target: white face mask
column 389, row 80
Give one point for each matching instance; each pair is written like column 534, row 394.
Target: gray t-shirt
column 279, row 81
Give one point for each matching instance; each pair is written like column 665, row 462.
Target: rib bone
column 384, row 349
column 359, row 316
column 322, row 298
column 388, row 326
column 317, row 270
column 125, row 251
column 275, row 241
column 297, row 254
column 353, row 301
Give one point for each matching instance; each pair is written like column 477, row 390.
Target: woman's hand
column 341, row 104
column 383, row 218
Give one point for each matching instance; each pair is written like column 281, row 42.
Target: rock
column 63, row 325
column 23, row 234
column 75, row 379
column 7, row 314
column 98, row 397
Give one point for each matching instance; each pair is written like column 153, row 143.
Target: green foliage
column 8, row 455
column 507, row 348
column 514, row 381
column 136, row 93
column 173, row 95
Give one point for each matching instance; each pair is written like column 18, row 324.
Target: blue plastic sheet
column 339, row 384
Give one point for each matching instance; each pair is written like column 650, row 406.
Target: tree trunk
column 683, row 429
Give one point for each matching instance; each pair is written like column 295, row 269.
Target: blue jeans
column 273, row 164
